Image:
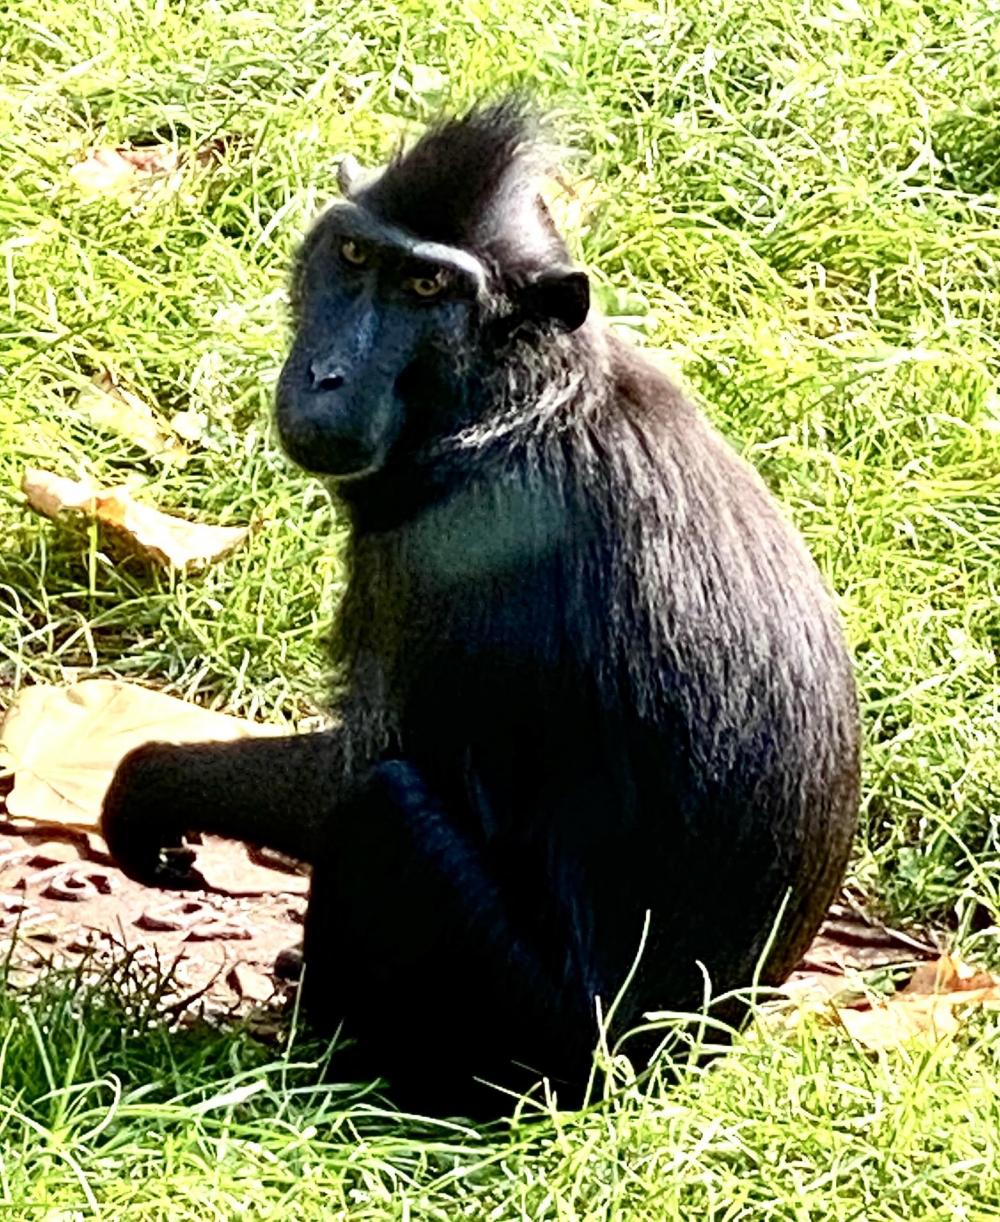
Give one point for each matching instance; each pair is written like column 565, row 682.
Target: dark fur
column 591, row 674
column 445, row 187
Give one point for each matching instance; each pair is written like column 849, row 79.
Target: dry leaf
column 925, row 1011
column 896, row 1021
column 62, row 744
column 118, row 410
column 849, row 943
column 105, row 170
column 850, row 939
column 167, row 540
column 948, row 975
column 220, row 931
column 112, row 169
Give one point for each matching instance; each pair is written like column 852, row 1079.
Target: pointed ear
column 353, row 177
column 560, row 297
column 347, row 174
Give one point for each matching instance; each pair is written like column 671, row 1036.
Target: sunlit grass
column 800, row 206
column 102, row 1110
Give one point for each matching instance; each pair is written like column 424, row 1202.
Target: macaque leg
column 409, row 939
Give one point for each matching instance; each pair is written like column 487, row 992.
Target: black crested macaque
column 591, row 671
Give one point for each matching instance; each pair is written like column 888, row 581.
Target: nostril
column 326, row 379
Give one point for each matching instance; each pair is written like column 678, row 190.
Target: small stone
column 69, row 888
column 173, row 917
column 218, row 931
column 76, row 883
column 248, row 983
column 83, row 942
column 101, row 882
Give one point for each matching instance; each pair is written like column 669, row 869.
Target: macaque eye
column 354, row 253
column 428, row 286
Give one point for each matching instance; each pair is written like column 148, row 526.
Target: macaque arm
column 273, row 792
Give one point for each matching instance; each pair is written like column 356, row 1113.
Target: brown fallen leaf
column 112, row 169
column 78, row 883
column 62, row 744
column 927, row 1010
column 119, row 168
column 160, row 537
column 116, row 409
column 892, row 1023
column 851, row 939
column 52, row 853
column 948, row 975
column 850, row 942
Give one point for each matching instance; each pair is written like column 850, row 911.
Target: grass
column 799, row 204
column 106, row 1114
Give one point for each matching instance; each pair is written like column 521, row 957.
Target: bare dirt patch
column 224, row 948
column 229, row 948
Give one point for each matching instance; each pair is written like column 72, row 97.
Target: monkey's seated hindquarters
column 593, row 677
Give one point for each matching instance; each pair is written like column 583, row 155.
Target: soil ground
column 229, row 949
column 62, row 901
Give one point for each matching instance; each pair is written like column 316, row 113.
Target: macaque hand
column 141, row 820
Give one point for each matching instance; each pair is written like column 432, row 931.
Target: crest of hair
column 449, row 186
